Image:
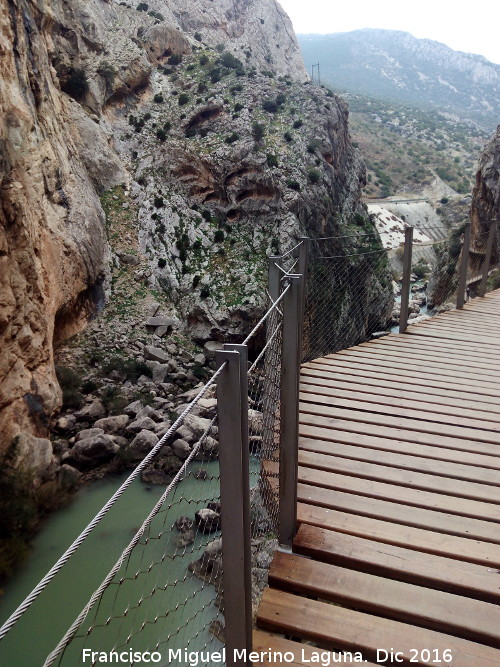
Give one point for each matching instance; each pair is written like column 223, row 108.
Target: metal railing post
column 245, row 472
column 234, row 487
column 289, row 417
column 405, row 287
column 487, row 259
column 464, row 265
column 273, row 277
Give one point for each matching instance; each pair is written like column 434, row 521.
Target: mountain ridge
column 395, row 65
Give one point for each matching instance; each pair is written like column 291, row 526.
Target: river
column 42, row 626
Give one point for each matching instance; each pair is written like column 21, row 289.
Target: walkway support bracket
column 464, row 266
column 289, row 417
column 232, row 404
column 487, row 259
column 405, row 287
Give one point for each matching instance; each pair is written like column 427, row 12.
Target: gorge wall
column 197, row 121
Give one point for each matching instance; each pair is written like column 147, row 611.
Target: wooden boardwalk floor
column 398, row 546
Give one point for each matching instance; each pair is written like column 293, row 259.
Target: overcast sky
column 469, row 27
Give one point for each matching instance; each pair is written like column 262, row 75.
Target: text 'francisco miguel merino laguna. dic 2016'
column 195, row 658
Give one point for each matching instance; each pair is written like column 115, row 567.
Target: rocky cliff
column 150, row 151
column 485, row 207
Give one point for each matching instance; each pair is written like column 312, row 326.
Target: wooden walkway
column 398, row 546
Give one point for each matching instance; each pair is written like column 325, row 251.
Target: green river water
column 43, row 625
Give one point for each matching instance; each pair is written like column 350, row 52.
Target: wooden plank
column 403, row 359
column 370, row 416
column 332, row 626
column 471, row 619
column 386, row 491
column 402, row 461
column 448, row 336
column 381, row 379
column 464, row 346
column 316, row 439
column 467, row 324
column 429, row 351
column 411, row 376
column 466, row 335
column 268, row 645
column 440, row 522
column 416, row 480
column 358, row 358
column 408, row 537
column 400, row 407
column 405, row 397
column 336, row 426
column 387, row 560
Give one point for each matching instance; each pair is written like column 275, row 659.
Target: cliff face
column 485, row 207
column 201, row 112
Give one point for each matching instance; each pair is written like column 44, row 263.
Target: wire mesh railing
column 349, row 293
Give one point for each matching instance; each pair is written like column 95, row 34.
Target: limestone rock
column 156, row 354
column 114, row 424
column 140, row 424
column 207, row 520
column 141, row 445
column 86, row 433
column 181, row 449
column 68, row 477
column 91, row 452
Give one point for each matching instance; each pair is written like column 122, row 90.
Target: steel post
column 274, row 277
column 289, row 417
column 464, row 266
column 245, row 471
column 405, row 287
column 487, row 259
column 233, row 488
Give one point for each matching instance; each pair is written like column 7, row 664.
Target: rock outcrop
column 485, row 207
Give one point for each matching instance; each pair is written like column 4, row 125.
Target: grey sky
column 473, row 28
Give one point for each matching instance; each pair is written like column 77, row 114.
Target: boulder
column 151, row 475
column 198, row 425
column 181, row 448
column 133, row 408
column 91, row 452
column 207, row 520
column 140, row 424
column 255, row 422
column 141, row 445
column 183, row 523
column 153, row 322
column 88, row 433
column 94, row 410
column 156, row 354
column 68, row 477
column 65, row 423
column 113, row 424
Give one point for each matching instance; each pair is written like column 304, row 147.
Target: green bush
column 175, row 59
column 297, row 124
column 197, row 36
column 293, row 185
column 270, row 106
column 272, row 160
column 183, row 99
column 158, row 98
column 67, row 377
column 158, row 202
column 288, row 137
column 230, row 139
column 162, row 263
column 72, row 399
column 113, row 400
column 313, row 175
column 231, row 62
column 280, row 99
column 258, row 131
column 142, row 7
column 205, row 292
column 203, row 60
column 161, row 134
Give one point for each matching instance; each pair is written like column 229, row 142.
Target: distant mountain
column 389, row 64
